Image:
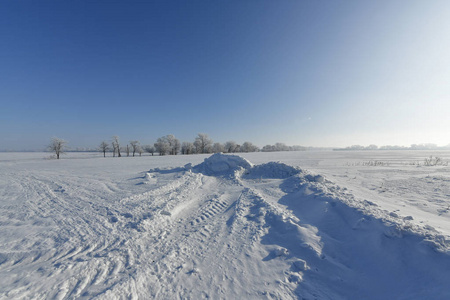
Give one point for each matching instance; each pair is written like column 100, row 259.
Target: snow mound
column 222, row 164
column 225, row 164
column 272, row 170
column 315, row 178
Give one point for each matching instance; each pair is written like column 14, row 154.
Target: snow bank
column 361, row 256
column 351, row 249
column 334, row 250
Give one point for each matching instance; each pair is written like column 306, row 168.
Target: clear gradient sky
column 311, row 73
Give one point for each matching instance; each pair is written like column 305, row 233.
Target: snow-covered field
column 292, row 225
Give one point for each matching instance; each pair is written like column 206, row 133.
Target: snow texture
column 87, row 227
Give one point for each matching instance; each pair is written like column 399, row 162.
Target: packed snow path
column 223, row 229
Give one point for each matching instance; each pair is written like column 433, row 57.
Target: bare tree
column 116, row 145
column 128, row 150
column 58, row 145
column 134, row 146
column 114, row 148
column 104, row 147
column 203, row 143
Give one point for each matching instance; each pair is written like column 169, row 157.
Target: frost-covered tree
column 203, row 143
column 248, row 147
column 116, row 145
column 372, row 147
column 298, row 148
column 150, row 149
column 281, row 147
column 174, row 144
column 58, row 146
column 355, row 147
column 104, row 147
column 135, row 146
column 268, row 148
column 162, row 146
column 231, row 147
column 187, row 148
column 217, row 148
column 168, row 145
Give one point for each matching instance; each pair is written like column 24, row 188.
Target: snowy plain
column 285, row 225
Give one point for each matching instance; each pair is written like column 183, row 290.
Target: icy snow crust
column 223, row 229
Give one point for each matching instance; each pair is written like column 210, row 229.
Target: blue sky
column 312, row 73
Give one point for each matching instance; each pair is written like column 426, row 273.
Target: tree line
column 170, row 145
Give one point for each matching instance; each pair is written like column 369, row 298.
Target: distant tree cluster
column 133, row 147
column 359, row 147
column 427, row 146
column 282, row 147
column 170, row 145
column 202, row 144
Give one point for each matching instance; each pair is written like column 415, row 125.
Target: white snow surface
column 293, row 225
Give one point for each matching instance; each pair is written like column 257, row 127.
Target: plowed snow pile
column 223, row 229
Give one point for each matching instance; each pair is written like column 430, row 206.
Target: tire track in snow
column 101, row 261
column 213, row 207
column 75, row 241
column 124, row 260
